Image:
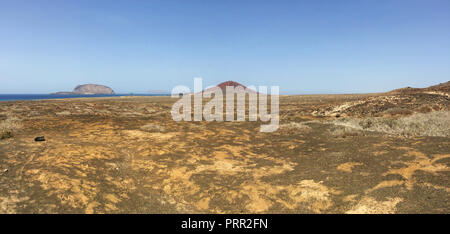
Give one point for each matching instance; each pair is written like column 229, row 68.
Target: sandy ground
column 98, row 158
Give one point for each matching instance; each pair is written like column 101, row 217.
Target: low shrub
column 153, row 128
column 6, row 134
column 8, row 126
column 344, row 132
column 435, row 123
column 294, row 126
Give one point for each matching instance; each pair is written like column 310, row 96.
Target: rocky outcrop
column 89, row 89
column 93, row 89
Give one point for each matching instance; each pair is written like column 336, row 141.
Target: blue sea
column 21, row 97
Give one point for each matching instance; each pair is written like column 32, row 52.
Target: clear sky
column 302, row 46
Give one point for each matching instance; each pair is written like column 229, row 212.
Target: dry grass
column 420, row 124
column 63, row 113
column 153, row 128
column 108, row 164
column 397, row 111
column 343, row 132
column 297, row 127
column 6, row 134
column 8, row 125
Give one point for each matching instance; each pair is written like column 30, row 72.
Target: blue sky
column 302, row 46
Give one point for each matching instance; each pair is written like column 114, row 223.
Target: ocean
column 21, row 97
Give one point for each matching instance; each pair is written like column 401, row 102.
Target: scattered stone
column 39, row 138
column 337, row 115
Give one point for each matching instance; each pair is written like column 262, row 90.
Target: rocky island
column 89, row 89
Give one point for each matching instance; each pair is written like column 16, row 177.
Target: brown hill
column 223, row 86
column 398, row 102
column 442, row 87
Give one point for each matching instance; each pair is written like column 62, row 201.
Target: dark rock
column 39, row 138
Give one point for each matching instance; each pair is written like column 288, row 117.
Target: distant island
column 88, row 89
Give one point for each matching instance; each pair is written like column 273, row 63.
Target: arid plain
column 365, row 153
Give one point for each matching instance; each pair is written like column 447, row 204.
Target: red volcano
column 223, row 85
